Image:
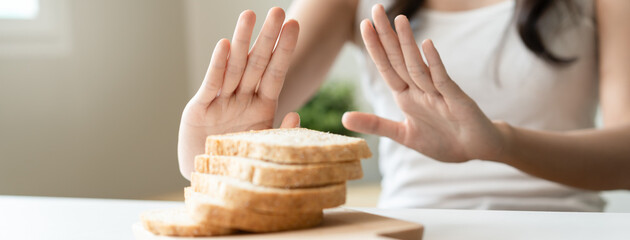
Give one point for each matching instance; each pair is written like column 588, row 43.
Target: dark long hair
column 528, row 14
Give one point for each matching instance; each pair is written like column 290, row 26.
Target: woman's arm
column 325, row 26
column 444, row 123
column 591, row 159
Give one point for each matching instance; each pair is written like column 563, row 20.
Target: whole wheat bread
column 289, row 146
column 177, row 222
column 265, row 199
column 278, row 175
column 205, row 208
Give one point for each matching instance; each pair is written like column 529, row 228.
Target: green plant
column 323, row 112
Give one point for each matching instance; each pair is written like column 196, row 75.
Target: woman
column 538, row 68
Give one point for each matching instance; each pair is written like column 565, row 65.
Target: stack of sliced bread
column 263, row 181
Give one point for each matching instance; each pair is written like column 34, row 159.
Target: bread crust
column 286, row 154
column 247, row 220
column 265, row 199
column 263, row 181
column 154, row 224
column 281, row 176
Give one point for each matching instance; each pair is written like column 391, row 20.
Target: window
column 34, row 28
column 19, row 9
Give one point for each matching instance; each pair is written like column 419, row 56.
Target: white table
column 82, row 218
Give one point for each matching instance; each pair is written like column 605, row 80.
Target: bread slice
column 289, row 146
column 270, row 174
column 206, row 208
column 265, row 199
column 177, row 222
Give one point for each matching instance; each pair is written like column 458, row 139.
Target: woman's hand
column 441, row 122
column 241, row 87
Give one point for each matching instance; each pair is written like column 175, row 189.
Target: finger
column 291, row 120
column 372, row 124
column 238, row 52
column 273, row 78
column 415, row 65
column 374, row 48
column 441, row 80
column 261, row 51
column 214, row 76
column 390, row 42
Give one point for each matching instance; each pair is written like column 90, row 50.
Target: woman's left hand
column 442, row 122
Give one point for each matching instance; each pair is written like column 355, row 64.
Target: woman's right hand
column 241, row 88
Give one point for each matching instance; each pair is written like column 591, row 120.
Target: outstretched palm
column 231, row 114
column 441, row 120
column 241, row 87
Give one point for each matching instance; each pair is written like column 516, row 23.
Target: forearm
column 596, row 159
column 326, row 25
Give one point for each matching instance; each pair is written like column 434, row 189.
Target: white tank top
column 522, row 90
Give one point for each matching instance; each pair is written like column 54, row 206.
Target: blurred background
column 91, row 93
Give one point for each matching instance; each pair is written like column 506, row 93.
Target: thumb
column 291, row 120
column 372, row 124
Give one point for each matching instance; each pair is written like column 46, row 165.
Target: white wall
column 100, row 118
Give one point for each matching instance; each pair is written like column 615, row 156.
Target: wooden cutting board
column 339, row 223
